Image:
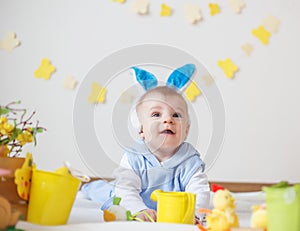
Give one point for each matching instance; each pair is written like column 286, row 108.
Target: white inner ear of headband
column 135, row 122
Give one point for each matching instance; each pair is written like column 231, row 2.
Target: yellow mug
column 175, row 207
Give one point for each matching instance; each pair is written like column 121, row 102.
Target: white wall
column 261, row 103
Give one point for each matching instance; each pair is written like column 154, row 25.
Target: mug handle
column 191, row 204
column 155, row 194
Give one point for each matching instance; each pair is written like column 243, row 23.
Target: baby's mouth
column 168, row 132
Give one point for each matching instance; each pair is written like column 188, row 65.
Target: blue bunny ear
column 145, row 78
column 180, row 76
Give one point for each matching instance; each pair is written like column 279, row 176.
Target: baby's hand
column 144, row 217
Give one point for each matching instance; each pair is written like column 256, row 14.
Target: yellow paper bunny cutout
column 97, row 94
column 45, row 69
column 192, row 91
column 228, row 67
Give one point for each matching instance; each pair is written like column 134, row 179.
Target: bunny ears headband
column 177, row 79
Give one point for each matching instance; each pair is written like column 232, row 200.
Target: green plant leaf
column 4, row 141
column 39, row 130
column 4, row 111
column 34, row 140
column 15, row 132
column 281, row 184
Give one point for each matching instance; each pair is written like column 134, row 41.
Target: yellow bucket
column 52, row 195
column 175, row 207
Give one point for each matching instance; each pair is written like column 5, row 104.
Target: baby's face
column 165, row 123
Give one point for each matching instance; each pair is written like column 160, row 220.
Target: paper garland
column 262, row 34
column 97, row 94
column 271, row 23
column 237, row 5
column 165, row 10
column 228, row 67
column 45, row 69
column 9, row 42
column 140, row 6
column 70, row 82
column 192, row 91
column 193, row 15
column 214, row 9
column 247, row 48
column 119, row 1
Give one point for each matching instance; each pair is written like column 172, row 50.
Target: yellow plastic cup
column 52, row 195
column 175, row 207
column 283, row 207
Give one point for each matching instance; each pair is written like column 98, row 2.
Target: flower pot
column 3, row 151
column 8, row 188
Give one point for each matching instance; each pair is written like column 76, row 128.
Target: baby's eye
column 177, row 115
column 155, row 114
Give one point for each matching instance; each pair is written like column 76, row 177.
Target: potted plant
column 17, row 129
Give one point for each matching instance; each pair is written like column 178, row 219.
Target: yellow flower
column 29, row 129
column 25, row 137
column 14, row 132
column 5, row 128
column 8, row 127
column 3, row 120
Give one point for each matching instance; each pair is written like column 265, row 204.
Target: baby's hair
column 163, row 90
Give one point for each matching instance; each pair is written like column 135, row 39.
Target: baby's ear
column 146, row 79
column 141, row 133
column 187, row 129
column 180, row 76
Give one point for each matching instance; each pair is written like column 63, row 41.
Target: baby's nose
column 168, row 119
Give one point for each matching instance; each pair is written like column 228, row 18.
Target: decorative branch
column 15, row 135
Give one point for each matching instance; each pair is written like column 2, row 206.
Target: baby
column 161, row 159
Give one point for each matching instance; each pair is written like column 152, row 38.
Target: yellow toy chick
column 23, row 177
column 259, row 217
column 223, row 217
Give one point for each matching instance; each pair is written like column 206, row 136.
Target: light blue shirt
column 172, row 175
